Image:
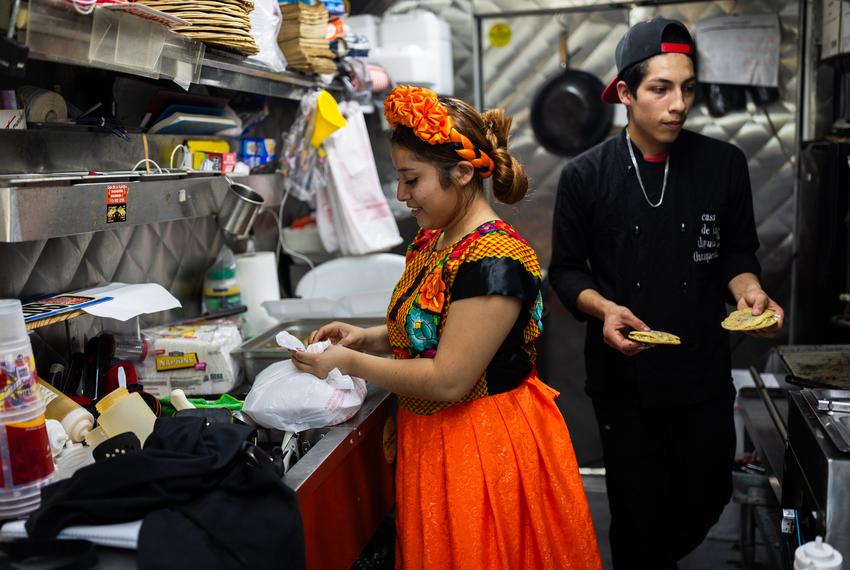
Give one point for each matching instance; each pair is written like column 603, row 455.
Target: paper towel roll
column 257, row 274
column 43, row 106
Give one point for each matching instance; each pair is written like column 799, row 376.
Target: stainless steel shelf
column 35, row 208
column 58, row 34
column 216, row 71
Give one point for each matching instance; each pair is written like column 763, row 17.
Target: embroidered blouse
column 491, row 260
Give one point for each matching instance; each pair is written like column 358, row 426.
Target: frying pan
column 568, row 115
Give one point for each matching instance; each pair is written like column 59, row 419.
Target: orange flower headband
column 419, row 109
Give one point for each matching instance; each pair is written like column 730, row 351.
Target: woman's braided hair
column 445, row 130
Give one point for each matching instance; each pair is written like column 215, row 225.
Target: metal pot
column 568, row 115
column 239, row 209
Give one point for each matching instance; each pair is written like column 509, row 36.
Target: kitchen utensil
column 239, row 209
column 568, row 115
column 723, row 99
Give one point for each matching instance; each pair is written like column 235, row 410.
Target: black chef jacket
column 670, row 265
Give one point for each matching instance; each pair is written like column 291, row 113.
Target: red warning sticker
column 116, row 194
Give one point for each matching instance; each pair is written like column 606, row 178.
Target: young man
column 654, row 229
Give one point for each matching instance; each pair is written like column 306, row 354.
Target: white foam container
column 416, row 48
column 366, row 25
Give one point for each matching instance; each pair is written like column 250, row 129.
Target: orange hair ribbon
column 421, row 110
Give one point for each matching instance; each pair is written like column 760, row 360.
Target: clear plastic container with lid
column 221, row 285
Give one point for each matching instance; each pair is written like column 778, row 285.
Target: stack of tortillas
column 744, row 320
column 221, row 23
column 654, row 337
column 302, row 38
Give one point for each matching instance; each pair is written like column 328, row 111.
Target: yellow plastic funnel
column 328, row 118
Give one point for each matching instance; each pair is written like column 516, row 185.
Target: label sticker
column 116, row 203
column 176, row 362
column 116, row 194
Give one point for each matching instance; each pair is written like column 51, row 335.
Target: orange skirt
column 490, row 484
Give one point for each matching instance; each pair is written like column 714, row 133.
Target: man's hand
column 756, row 299
column 616, row 325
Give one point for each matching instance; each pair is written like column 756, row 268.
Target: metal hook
column 563, row 22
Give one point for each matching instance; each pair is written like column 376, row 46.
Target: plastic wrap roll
column 257, row 273
column 43, row 106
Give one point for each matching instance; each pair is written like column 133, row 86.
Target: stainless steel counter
column 345, row 484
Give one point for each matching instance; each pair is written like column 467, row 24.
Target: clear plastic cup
column 18, row 380
column 26, row 464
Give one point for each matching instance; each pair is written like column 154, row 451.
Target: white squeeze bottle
column 817, row 555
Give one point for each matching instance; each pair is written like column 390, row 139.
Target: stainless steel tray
column 817, row 366
column 262, row 350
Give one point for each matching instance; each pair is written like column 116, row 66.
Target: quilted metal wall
column 173, row 254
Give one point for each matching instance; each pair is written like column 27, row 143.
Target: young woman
column 486, row 474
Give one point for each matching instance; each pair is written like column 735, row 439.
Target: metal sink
column 262, row 350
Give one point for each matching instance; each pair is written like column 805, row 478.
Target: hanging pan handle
column 564, row 50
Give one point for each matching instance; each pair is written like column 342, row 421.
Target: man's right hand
column 616, row 325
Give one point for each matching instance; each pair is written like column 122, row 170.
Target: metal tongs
column 834, row 405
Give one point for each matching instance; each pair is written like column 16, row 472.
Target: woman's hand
column 342, row 334
column 320, row 364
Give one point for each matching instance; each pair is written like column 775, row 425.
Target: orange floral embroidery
column 433, row 293
column 419, row 109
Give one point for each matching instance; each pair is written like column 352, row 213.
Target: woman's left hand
column 321, row 364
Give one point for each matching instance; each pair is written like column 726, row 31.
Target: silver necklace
column 637, row 171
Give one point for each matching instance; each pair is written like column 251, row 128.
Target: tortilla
column 744, row 320
column 654, row 337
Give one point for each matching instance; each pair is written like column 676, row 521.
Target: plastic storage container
column 221, row 285
column 416, row 47
column 366, row 25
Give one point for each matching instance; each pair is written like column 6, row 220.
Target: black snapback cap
column 645, row 40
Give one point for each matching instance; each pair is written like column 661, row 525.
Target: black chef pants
column 668, row 474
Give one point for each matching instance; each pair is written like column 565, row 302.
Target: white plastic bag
column 285, row 398
column 265, row 25
column 363, row 219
